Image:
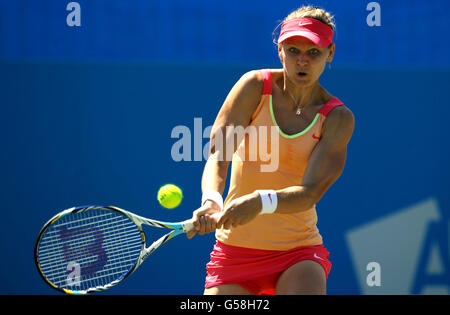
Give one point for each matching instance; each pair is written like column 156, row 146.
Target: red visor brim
column 322, row 43
column 317, row 32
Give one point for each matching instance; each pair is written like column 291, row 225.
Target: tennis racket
column 92, row 248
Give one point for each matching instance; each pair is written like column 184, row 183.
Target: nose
column 302, row 60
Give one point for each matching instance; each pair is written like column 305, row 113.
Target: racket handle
column 187, row 225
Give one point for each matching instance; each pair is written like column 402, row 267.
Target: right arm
column 237, row 110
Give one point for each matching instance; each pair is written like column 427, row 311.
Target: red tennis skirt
column 258, row 270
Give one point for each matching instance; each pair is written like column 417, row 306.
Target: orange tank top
column 252, row 169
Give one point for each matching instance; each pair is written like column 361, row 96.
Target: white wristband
column 213, row 196
column 269, row 201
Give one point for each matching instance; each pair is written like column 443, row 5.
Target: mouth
column 302, row 74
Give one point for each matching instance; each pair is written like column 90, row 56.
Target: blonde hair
column 312, row 12
column 309, row 11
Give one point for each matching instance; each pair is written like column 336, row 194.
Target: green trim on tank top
column 281, row 131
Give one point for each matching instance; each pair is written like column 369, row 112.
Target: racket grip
column 187, row 225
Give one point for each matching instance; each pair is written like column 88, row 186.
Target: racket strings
column 52, row 260
column 105, row 245
column 111, row 271
column 124, row 230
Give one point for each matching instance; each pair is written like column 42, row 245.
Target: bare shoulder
column 339, row 125
column 342, row 115
column 252, row 80
column 242, row 100
column 247, row 89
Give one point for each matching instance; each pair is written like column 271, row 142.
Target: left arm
column 326, row 164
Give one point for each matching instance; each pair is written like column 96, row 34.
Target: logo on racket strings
column 83, row 252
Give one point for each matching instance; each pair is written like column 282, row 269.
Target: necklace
column 299, row 109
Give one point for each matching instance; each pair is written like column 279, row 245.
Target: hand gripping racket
column 92, row 248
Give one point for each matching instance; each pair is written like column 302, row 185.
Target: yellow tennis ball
column 170, row 196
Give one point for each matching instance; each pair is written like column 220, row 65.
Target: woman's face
column 303, row 61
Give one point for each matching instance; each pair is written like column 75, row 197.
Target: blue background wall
column 87, row 115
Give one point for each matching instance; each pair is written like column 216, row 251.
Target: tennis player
column 267, row 241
